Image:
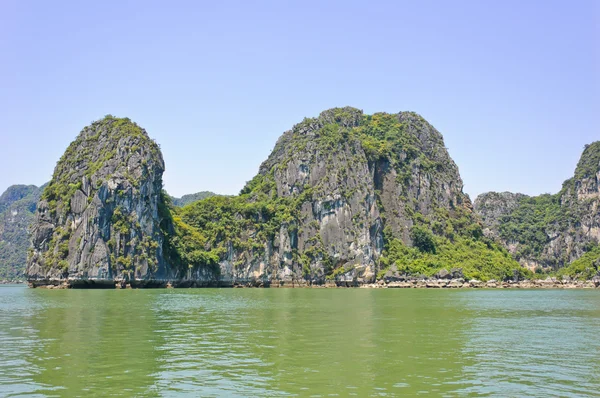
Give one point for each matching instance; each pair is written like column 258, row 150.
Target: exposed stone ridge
column 548, row 232
column 493, row 206
column 343, row 198
column 98, row 218
column 333, row 191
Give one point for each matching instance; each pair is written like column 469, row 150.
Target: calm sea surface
column 299, row 342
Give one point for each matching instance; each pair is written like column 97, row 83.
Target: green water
column 299, row 342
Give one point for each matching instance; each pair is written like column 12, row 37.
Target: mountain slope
column 343, row 197
column 550, row 231
column 17, row 208
column 100, row 216
column 190, row 198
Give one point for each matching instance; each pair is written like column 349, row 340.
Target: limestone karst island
column 344, row 199
column 383, row 198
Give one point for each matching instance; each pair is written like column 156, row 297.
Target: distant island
column 344, row 199
column 17, row 208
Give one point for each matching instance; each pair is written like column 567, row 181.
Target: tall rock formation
column 492, row 207
column 17, row 209
column 99, row 218
column 343, row 198
column 549, row 231
column 339, row 194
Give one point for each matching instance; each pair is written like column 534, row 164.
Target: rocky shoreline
column 404, row 283
column 549, row 283
column 12, row 282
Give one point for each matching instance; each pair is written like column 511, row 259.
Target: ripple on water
column 299, row 342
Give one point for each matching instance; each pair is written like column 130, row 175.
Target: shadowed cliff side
column 98, row 219
column 344, row 198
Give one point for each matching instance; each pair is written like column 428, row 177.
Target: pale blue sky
column 514, row 86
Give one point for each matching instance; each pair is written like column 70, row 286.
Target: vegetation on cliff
column 589, row 163
column 552, row 231
column 17, row 208
column 586, row 267
column 528, row 223
column 344, row 196
column 190, row 198
column 479, row 257
column 97, row 218
column 441, row 235
column 90, row 154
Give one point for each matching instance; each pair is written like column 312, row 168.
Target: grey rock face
column 337, row 189
column 17, row 208
column 580, row 202
column 565, row 224
column 418, row 190
column 99, row 219
column 339, row 221
column 342, row 194
column 492, row 206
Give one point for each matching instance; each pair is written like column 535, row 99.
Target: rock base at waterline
column 549, row 283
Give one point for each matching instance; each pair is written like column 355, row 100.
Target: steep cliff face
column 17, row 208
column 549, row 231
column 416, row 175
column 492, row 207
column 336, row 223
column 98, row 219
column 342, row 197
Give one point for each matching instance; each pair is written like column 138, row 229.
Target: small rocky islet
column 344, row 199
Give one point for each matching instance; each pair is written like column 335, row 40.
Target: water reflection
column 348, row 342
column 299, row 342
column 99, row 342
